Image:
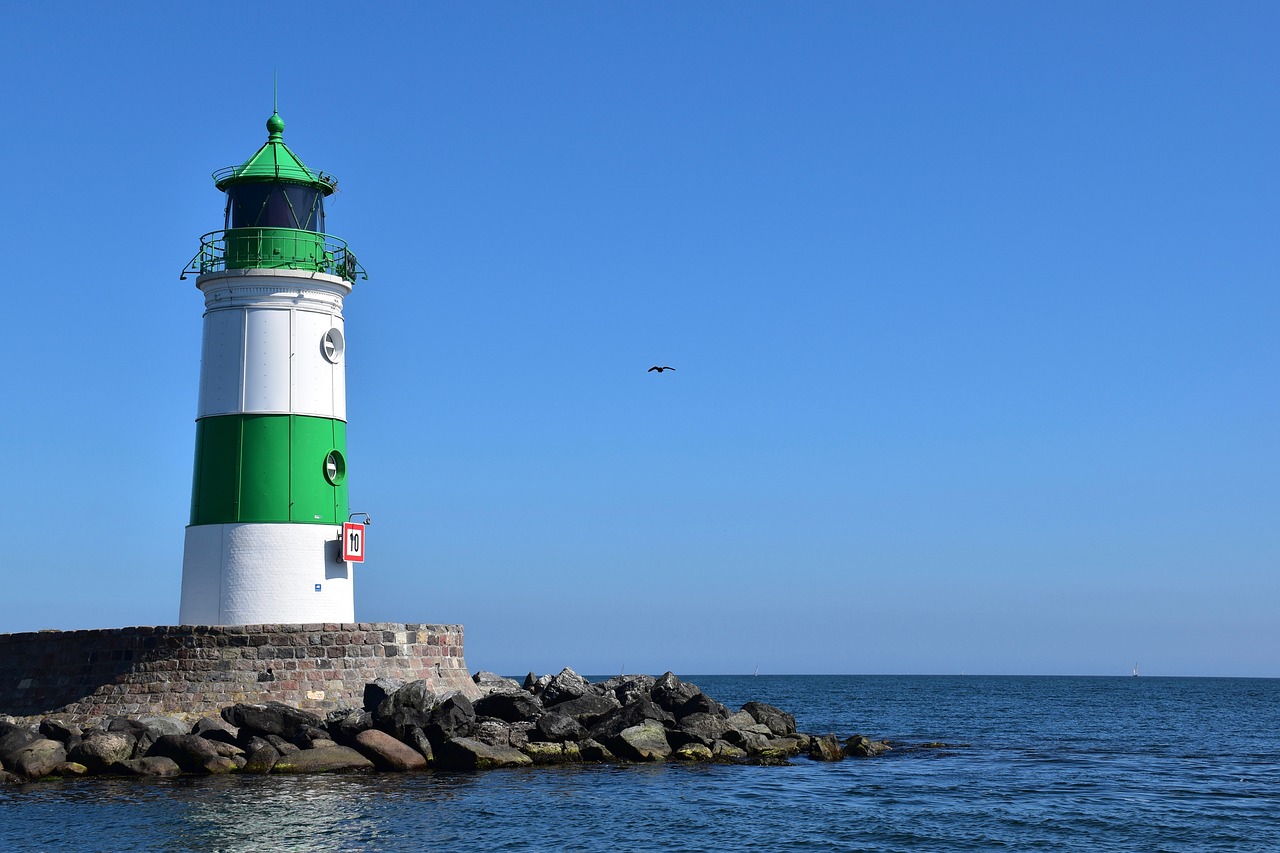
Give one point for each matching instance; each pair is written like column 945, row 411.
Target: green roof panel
column 274, row 161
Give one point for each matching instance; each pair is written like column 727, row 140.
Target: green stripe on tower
column 269, row 468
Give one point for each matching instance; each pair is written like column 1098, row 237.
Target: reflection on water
column 316, row 813
column 229, row 813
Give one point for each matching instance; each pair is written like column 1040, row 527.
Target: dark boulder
column 284, row 747
column 139, row 734
column 521, row 733
column 491, row 682
column 329, row 759
column 724, row 751
column 310, row 736
column 269, row 718
column 701, row 704
column 512, row 707
column 99, row 750
column 376, row 692
column 464, row 753
column 153, row 766
column 702, row 728
column 626, row 717
column 418, row 739
column 644, row 742
column 454, row 717
column 861, row 746
column 69, row 770
column 38, row 759
column 589, row 709
column 411, row 705
column 599, row 688
column 825, row 748
column 752, row 742
column 216, row 729
column 493, row 731
column 166, row 725
column 262, row 759
column 747, row 734
column 790, row 745
column 255, row 743
column 127, row 725
column 7, row 724
column 609, row 685
column 556, row 727
column 192, row 753
column 779, row 721
column 60, row 730
column 775, row 751
column 226, row 750
column 14, row 741
column 742, row 721
column 671, row 694
column 563, row 687
column 593, row 750
column 345, row 724
column 629, row 688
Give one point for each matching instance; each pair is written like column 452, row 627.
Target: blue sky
column 973, row 308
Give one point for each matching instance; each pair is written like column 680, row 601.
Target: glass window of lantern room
column 277, row 213
column 307, row 204
column 275, row 206
column 247, row 204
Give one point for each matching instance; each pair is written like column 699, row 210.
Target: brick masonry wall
column 194, row 670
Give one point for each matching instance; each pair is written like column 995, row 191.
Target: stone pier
column 193, row 670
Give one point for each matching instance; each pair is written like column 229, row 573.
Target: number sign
column 353, row 542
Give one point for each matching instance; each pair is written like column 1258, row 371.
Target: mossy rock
column 694, row 752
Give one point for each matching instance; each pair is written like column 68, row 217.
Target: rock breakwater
column 411, row 726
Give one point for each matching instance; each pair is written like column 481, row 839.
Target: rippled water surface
column 1032, row 763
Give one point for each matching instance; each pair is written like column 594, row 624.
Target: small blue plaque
column 317, row 587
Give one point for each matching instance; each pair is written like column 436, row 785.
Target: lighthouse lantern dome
column 274, row 216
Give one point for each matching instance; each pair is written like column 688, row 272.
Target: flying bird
column 659, row 369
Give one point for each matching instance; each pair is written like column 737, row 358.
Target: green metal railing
column 286, row 173
column 274, row 248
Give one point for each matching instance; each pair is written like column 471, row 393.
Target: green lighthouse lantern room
column 274, row 216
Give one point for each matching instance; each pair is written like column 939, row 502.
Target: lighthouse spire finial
column 275, row 124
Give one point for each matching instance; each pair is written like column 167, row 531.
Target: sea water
column 1052, row 763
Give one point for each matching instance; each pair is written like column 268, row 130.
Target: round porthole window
column 335, row 468
column 331, row 346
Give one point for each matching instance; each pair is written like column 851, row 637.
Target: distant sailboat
column 1135, row 670
column 757, row 672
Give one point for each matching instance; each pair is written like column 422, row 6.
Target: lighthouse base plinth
column 191, row 671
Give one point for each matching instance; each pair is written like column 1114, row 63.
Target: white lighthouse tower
column 269, row 492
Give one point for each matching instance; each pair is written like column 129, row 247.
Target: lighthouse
column 266, row 541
